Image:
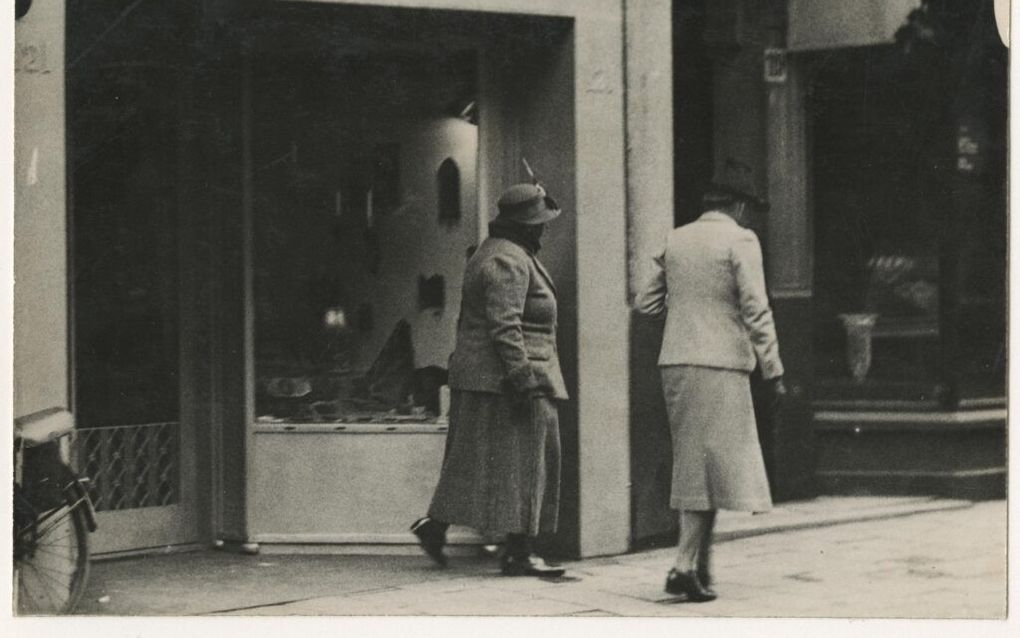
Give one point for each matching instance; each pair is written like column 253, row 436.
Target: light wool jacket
column 710, row 282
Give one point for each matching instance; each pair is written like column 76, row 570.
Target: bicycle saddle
column 43, row 426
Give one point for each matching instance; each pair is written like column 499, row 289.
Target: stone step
column 959, row 454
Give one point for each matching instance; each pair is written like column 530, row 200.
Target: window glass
column 909, row 232
column 357, row 273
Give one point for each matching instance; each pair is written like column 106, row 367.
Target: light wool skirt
column 501, row 469
column 717, row 460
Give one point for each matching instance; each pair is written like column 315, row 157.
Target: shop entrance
column 135, row 440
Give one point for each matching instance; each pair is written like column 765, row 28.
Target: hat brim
column 543, row 211
column 757, row 202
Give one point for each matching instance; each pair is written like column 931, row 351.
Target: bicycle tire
column 50, row 580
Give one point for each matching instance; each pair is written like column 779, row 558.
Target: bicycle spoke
column 40, row 570
column 47, row 581
column 24, row 592
column 63, row 557
column 66, row 549
column 53, row 597
column 50, row 548
column 53, row 547
column 45, row 556
column 53, row 524
column 49, row 539
column 57, row 596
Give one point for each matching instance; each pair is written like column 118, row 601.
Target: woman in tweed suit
column 501, row 470
column 710, row 284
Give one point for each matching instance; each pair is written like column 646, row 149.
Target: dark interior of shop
column 357, row 262
column 910, row 216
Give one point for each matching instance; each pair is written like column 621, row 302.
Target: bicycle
column 53, row 516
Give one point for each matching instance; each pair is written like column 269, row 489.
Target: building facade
column 255, row 217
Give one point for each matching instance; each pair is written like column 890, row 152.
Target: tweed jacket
column 506, row 334
column 710, row 282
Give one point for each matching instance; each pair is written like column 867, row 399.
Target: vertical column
column 787, row 435
column 42, row 371
column 790, row 275
column 247, row 238
column 650, row 216
column 649, row 133
column 603, row 359
column 218, row 95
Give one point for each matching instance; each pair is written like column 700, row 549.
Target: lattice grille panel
column 130, row 466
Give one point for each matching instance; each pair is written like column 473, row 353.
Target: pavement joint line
column 253, row 607
column 738, row 534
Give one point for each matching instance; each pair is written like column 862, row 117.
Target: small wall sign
column 775, row 65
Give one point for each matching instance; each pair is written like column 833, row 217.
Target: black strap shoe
column 432, row 538
column 704, row 573
column 529, row 566
column 687, row 583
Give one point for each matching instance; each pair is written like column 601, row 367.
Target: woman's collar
column 716, row 216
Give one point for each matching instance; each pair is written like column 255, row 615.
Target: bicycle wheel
column 51, row 560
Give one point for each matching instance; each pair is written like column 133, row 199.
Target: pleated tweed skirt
column 717, row 459
column 501, row 469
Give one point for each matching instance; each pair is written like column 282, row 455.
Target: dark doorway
column 653, row 522
column 692, row 109
column 125, row 69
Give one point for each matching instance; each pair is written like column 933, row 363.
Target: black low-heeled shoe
column 704, row 575
column 687, row 583
column 432, row 538
column 529, row 566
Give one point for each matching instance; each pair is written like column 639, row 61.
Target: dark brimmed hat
column 734, row 183
column 527, row 204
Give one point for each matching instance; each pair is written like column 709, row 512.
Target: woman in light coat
column 709, row 282
column 501, row 470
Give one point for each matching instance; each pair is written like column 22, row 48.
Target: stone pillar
column 42, row 376
column 603, row 415
column 649, row 133
column 650, row 213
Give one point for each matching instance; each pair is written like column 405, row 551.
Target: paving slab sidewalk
column 798, row 560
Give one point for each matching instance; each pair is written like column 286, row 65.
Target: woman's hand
column 525, row 398
column 777, row 390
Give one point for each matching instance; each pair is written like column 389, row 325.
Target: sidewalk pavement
column 846, row 557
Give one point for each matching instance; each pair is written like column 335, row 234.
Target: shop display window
column 909, row 249
column 357, row 264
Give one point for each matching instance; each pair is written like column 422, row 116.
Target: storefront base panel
column 345, row 488
column 948, row 454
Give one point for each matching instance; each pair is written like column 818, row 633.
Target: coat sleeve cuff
column 772, row 370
